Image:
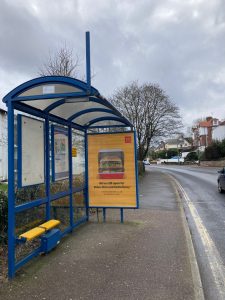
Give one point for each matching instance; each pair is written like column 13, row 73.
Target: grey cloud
column 178, row 44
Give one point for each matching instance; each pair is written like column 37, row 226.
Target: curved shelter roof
column 66, row 98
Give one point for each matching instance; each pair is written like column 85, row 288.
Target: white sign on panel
column 32, row 135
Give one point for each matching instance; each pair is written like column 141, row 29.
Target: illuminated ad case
column 60, row 153
column 112, row 170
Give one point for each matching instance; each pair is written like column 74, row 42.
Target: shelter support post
column 88, row 60
column 11, row 200
column 121, row 215
column 47, row 180
column 70, row 175
column 104, row 214
column 86, row 175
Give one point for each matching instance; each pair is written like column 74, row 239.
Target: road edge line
column 197, row 282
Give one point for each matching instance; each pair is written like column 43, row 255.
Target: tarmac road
column 205, row 211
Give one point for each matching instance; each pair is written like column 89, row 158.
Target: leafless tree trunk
column 151, row 111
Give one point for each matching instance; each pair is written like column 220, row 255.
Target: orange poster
column 111, row 170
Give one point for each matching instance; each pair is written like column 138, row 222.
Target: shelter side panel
column 111, row 170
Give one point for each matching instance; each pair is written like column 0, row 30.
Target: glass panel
column 60, row 185
column 60, row 210
column 22, row 250
column 78, row 143
column 41, row 104
column 30, row 218
column 79, row 207
column 29, row 193
column 68, row 109
column 25, row 221
column 91, row 116
column 49, row 88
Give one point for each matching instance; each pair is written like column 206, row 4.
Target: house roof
column 172, row 141
column 205, row 124
column 189, row 139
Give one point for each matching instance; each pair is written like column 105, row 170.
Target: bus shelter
column 69, row 149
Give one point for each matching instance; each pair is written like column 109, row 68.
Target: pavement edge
column 197, row 282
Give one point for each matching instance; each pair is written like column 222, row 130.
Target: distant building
column 219, row 132
column 160, row 147
column 3, row 145
column 203, row 132
column 181, row 143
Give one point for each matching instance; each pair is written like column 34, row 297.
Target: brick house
column 202, row 132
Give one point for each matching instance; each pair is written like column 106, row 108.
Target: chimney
column 208, row 119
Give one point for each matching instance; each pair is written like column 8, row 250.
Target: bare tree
column 151, row 111
column 62, row 62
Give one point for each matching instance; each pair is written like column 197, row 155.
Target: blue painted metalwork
column 14, row 94
column 104, row 214
column 86, row 193
column 47, row 169
column 86, row 111
column 54, row 105
column 122, row 120
column 19, row 151
column 88, row 61
column 16, row 101
column 28, row 205
column 121, row 215
column 25, row 260
column 41, row 114
column 109, row 126
column 136, row 167
column 70, row 174
column 11, row 199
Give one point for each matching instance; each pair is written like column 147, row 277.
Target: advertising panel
column 60, row 153
column 111, row 170
column 31, row 168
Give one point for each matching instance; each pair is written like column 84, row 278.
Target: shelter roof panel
column 49, row 88
column 66, row 99
column 66, row 110
column 86, row 118
column 41, row 104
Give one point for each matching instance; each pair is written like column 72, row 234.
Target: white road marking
column 211, row 252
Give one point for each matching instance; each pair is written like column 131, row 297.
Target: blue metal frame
column 122, row 120
column 86, row 176
column 86, row 111
column 15, row 101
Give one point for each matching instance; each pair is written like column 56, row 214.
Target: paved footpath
column 150, row 256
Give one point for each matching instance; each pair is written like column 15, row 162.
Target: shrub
column 214, row 151
column 192, row 156
column 3, row 217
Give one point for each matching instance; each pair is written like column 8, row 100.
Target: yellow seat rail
column 37, row 231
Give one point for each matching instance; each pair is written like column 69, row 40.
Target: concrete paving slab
column 147, row 257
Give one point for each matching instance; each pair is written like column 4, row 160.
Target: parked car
column 146, row 162
column 221, row 180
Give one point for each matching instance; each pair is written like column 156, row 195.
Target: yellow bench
column 37, row 231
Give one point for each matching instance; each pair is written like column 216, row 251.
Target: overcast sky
column 179, row 44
